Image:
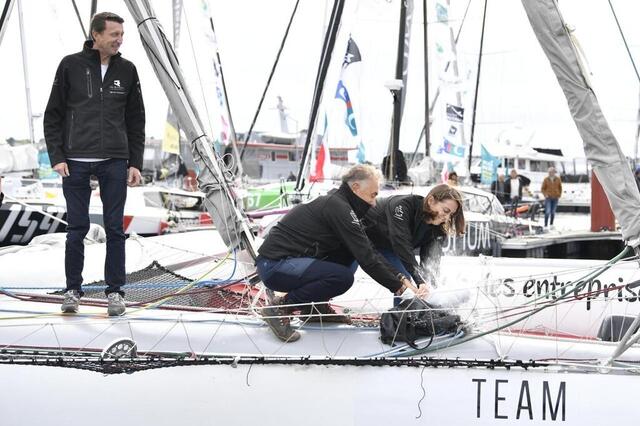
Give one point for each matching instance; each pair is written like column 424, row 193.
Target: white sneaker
column 71, row 302
column 116, row 305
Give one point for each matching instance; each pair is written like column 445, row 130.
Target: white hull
column 301, row 388
column 315, row 395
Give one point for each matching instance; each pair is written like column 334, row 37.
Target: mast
column 220, row 201
column 475, row 96
column 402, row 70
column 323, row 66
column 232, row 129
column 426, row 129
column 25, row 70
column 427, row 115
column 94, row 9
column 4, row 17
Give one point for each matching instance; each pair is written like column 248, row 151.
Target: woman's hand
column 423, row 291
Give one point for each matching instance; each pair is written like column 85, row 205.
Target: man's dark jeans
column 305, row 279
column 112, row 177
column 550, row 206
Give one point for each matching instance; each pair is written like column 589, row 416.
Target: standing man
column 94, row 125
column 552, row 191
column 513, row 189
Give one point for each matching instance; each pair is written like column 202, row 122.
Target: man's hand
column 62, row 169
column 134, row 178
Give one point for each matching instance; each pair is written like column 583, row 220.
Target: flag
column 451, row 148
column 488, row 167
column 442, row 13
column 322, row 158
column 455, row 113
column 171, row 138
column 342, row 114
column 446, row 169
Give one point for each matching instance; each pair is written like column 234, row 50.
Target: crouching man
column 310, row 254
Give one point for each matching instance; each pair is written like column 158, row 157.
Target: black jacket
column 499, row 190
column 329, row 228
column 524, row 181
column 397, row 223
column 87, row 117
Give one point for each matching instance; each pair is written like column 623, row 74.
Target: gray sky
column 518, row 89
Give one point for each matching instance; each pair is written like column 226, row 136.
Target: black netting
column 156, row 283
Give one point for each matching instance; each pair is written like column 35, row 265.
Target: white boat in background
column 35, row 207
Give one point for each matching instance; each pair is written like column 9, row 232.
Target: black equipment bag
column 398, row 325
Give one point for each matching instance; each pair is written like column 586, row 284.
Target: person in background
column 552, row 191
column 498, row 189
column 94, row 125
column 452, row 180
column 400, row 224
column 513, row 189
column 310, row 254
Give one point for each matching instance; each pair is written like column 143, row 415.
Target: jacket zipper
column 101, row 120
column 89, row 85
column 71, row 131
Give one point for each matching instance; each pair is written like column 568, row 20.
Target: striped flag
column 321, row 171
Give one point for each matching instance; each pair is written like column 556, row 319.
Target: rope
column 517, row 320
column 273, row 70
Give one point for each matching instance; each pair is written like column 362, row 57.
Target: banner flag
column 489, row 167
column 342, row 108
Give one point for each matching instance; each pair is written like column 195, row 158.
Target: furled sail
column 220, row 202
column 600, row 145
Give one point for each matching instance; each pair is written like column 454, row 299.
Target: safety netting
column 156, row 284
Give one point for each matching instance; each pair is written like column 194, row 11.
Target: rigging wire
column 85, row 33
column 509, row 324
column 266, row 88
column 201, row 85
column 624, row 39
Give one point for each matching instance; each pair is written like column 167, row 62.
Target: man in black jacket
column 310, row 253
column 94, row 125
column 513, row 189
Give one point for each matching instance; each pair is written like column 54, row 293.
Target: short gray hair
column 360, row 172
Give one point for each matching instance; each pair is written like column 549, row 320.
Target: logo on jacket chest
column 354, row 218
column 116, row 88
column 398, row 213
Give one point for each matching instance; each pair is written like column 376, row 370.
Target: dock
column 602, row 245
